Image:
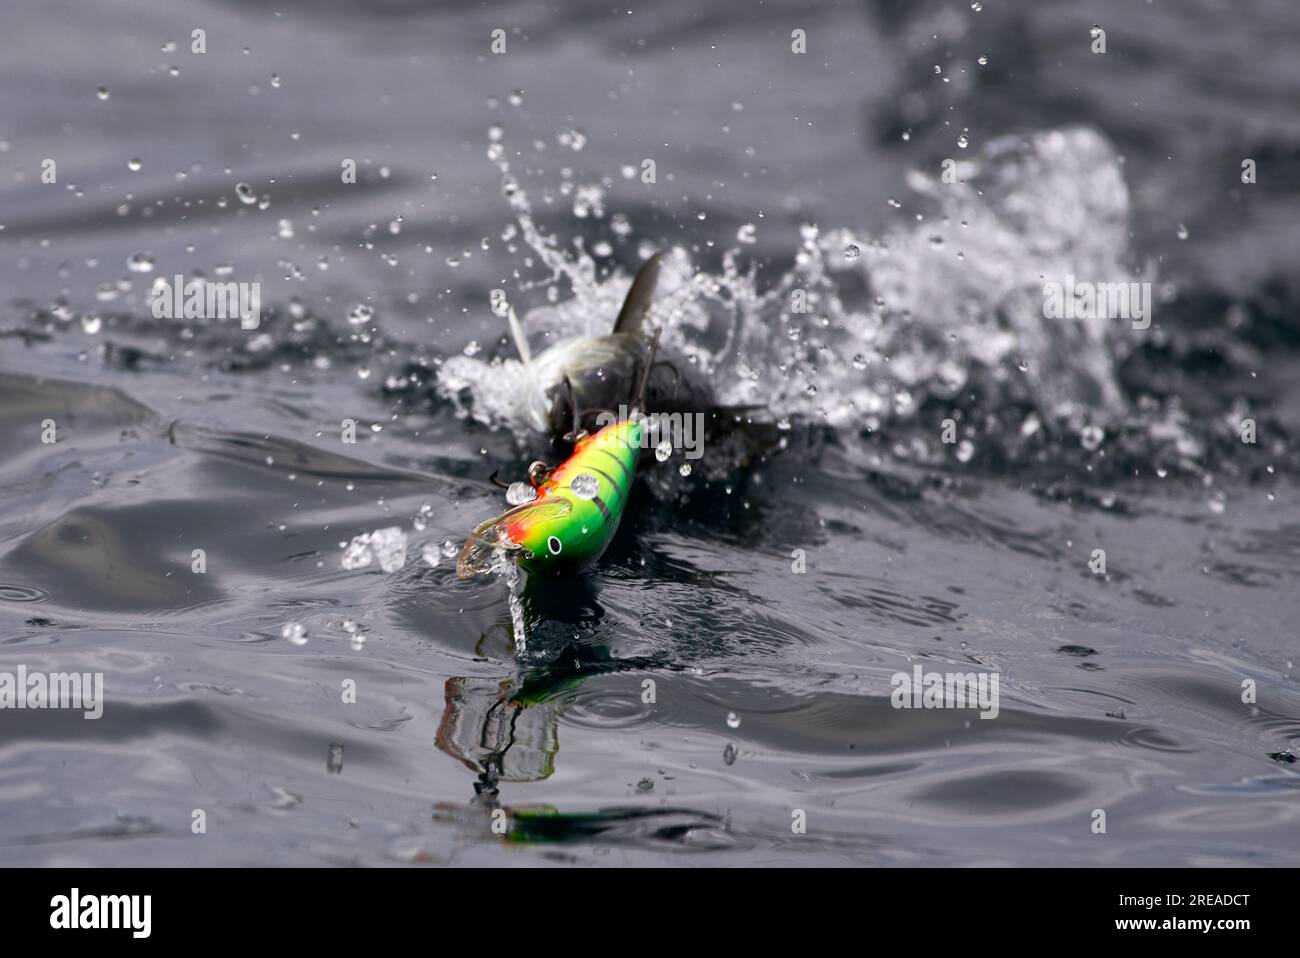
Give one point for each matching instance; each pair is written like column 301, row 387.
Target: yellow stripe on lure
column 569, row 525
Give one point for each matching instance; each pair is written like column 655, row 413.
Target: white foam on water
column 954, row 297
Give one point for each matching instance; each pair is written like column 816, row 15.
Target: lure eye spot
column 554, row 545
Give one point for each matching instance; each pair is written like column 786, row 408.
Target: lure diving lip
column 571, row 522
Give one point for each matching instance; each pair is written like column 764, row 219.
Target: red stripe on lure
column 567, row 528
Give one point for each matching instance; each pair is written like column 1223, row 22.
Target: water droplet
column 852, row 252
column 134, row 165
column 389, row 547
column 983, row 61
column 729, row 754
column 275, row 80
column 684, row 469
column 431, row 554
column 573, row 139
column 585, row 485
column 245, row 194
column 360, row 314
column 733, row 720
column 965, row 450
column 1091, row 437
column 519, row 493
column 91, row 324
column 140, row 263
column 1182, row 232
column 977, row 6
column 645, row 785
column 102, row 93
column 663, row 450
column 963, row 141
column 295, row 633
column 859, row 361
column 472, row 348
column 748, row 234
column 334, row 758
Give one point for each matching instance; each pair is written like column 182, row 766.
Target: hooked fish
column 582, row 378
column 577, row 506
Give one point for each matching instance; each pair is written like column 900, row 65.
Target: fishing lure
column 576, row 512
column 566, row 528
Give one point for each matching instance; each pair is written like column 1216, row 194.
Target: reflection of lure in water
column 577, row 508
column 625, row 825
column 507, row 728
column 500, row 735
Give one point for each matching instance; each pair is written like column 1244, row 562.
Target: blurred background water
column 775, row 172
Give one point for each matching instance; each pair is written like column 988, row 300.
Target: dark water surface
column 1120, row 692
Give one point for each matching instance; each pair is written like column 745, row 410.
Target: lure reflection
column 506, row 727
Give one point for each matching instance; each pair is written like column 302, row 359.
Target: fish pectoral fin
column 636, row 305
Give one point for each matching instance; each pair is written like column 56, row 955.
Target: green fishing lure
column 568, row 526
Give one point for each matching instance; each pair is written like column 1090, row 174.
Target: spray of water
column 954, row 300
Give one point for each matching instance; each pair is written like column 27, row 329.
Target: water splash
column 946, row 304
column 508, row 569
column 385, row 546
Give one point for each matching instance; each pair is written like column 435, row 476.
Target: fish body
column 583, row 378
column 575, row 514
